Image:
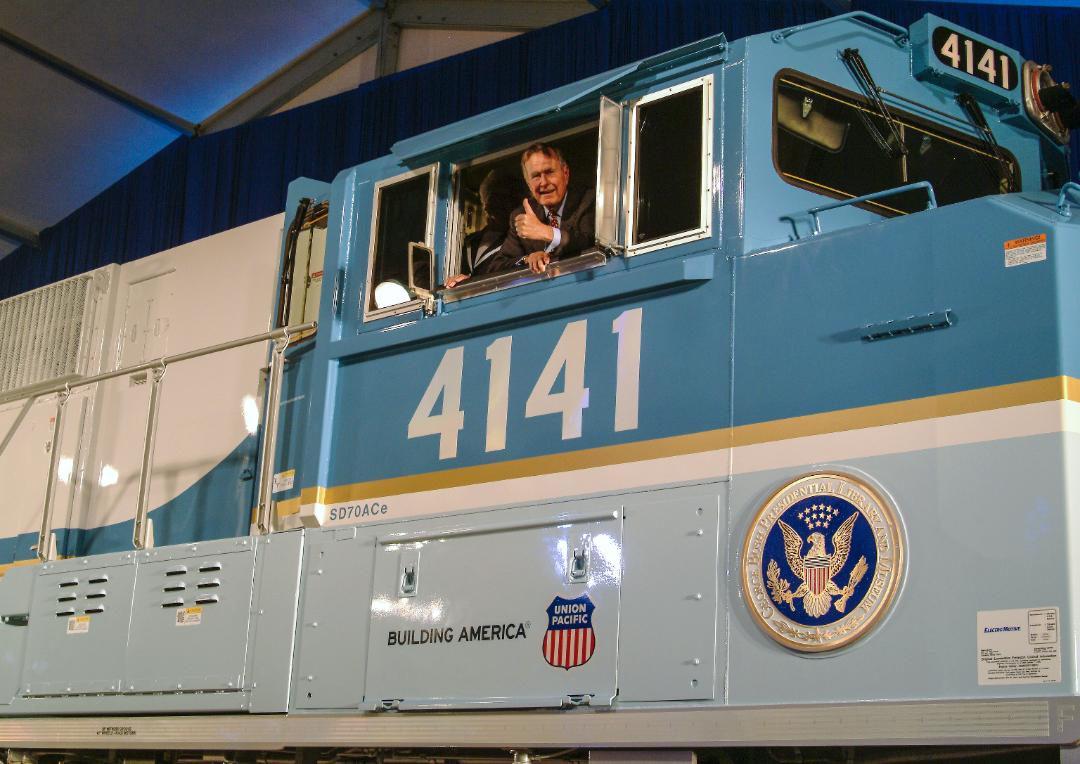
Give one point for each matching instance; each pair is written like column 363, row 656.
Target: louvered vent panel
column 42, row 334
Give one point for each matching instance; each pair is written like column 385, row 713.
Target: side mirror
column 422, row 275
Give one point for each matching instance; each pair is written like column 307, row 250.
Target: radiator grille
column 43, row 333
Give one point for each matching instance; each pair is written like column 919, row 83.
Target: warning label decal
column 1029, row 249
column 189, row 616
column 284, row 481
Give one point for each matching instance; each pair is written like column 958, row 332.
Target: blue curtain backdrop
column 196, row 187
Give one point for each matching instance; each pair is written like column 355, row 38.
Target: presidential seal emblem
column 821, row 562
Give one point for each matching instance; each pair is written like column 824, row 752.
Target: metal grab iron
column 1063, row 202
column 141, row 529
column 814, row 212
column 45, row 552
column 269, row 441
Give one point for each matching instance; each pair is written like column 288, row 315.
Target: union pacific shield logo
column 569, row 640
column 821, row 561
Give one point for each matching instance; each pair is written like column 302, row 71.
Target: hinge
column 573, row 701
column 389, row 705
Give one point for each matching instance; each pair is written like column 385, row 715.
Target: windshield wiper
column 893, row 144
column 1001, row 169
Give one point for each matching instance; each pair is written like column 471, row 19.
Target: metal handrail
column 1063, row 203
column 898, row 33
column 813, row 212
column 280, row 337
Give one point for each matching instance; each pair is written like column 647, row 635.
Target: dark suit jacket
column 577, row 231
column 479, row 246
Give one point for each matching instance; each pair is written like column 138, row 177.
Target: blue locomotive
column 728, row 397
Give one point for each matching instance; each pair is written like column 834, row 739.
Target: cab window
column 823, row 141
column 488, row 191
column 402, row 217
column 670, row 146
column 302, row 267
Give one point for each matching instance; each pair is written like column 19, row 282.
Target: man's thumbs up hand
column 529, row 226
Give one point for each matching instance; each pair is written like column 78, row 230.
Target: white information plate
column 283, row 481
column 1019, row 646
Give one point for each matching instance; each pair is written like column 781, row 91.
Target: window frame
column 904, row 117
column 704, row 229
column 429, row 238
column 455, row 236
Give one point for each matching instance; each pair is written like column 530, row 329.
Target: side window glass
column 957, row 172
column 402, row 217
column 670, row 155
column 302, row 268
column 822, row 143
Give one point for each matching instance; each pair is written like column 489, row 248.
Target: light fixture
column 389, row 293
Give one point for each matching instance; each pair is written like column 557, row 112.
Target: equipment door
column 189, row 622
column 78, row 626
column 523, row 613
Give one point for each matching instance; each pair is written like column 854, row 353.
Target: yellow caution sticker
column 78, row 624
column 283, row 481
column 189, row 616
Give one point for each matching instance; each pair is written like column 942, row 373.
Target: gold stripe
column 287, row 507
column 949, row 404
column 21, row 563
column 918, row 409
column 282, row 508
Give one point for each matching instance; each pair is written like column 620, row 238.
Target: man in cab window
column 499, row 194
column 557, row 221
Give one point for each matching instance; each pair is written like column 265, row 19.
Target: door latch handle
column 578, row 567
column 408, row 581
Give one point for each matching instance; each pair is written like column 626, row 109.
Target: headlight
column 389, row 293
column 1049, row 104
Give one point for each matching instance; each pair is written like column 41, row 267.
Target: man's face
column 547, row 179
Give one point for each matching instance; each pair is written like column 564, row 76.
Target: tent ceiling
column 63, row 142
column 93, row 89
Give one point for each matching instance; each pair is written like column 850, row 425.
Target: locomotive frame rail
column 986, row 722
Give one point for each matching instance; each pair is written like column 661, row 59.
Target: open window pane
column 402, row 218
column 668, row 166
column 608, row 173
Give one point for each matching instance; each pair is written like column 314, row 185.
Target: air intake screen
column 42, row 333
